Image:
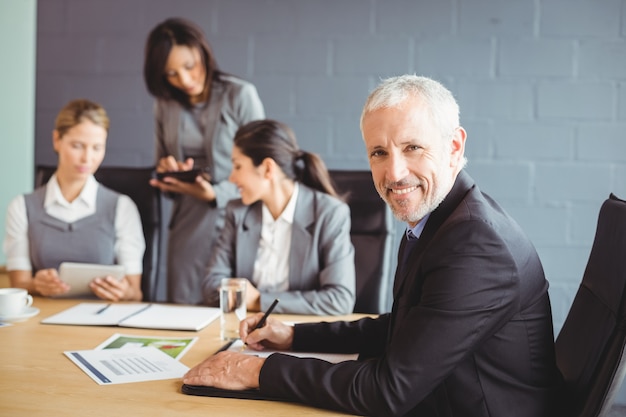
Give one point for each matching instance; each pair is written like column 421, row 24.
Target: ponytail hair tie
column 299, row 164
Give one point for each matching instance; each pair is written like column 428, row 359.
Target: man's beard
column 426, row 206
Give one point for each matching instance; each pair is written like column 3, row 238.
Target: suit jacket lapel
column 248, row 239
column 301, row 236
column 301, row 242
column 407, row 262
column 212, row 114
column 460, row 188
column 170, row 111
column 411, row 260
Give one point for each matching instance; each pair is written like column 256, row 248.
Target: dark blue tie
column 410, row 235
column 411, row 242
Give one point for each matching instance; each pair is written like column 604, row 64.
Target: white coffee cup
column 233, row 306
column 14, row 301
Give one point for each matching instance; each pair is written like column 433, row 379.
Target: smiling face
column 81, row 150
column 251, row 181
column 413, row 167
column 185, row 71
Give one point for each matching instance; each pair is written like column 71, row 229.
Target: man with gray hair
column 470, row 332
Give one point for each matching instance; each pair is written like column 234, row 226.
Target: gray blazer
column 321, row 259
column 233, row 102
column 195, row 225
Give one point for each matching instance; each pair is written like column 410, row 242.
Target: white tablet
column 79, row 275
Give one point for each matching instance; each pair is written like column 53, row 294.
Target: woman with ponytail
column 289, row 233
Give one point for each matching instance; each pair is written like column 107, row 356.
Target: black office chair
column 590, row 346
column 372, row 233
column 134, row 183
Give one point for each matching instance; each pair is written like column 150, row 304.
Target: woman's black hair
column 161, row 40
column 267, row 138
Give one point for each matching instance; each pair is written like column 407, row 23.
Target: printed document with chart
column 118, row 366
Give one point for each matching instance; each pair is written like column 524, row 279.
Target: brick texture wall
column 541, row 84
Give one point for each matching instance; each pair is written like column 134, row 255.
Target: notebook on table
column 139, row 315
column 248, row 394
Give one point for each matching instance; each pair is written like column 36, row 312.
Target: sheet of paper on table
column 238, row 346
column 118, row 366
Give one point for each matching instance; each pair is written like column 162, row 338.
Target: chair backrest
column 372, row 234
column 134, row 183
column 590, row 346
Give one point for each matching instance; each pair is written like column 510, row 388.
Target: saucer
column 23, row 315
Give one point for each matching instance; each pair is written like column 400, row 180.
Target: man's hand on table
column 238, row 371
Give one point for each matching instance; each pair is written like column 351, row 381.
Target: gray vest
column 90, row 239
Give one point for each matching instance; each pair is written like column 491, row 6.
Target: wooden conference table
column 36, row 379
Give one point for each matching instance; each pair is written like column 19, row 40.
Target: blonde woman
column 73, row 217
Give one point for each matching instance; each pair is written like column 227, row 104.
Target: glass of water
column 233, row 306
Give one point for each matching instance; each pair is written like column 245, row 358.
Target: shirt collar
column 87, row 195
column 418, row 229
column 288, row 213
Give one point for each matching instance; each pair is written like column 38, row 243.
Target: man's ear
column 457, row 146
column 56, row 139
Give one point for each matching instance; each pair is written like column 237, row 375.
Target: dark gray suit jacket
column 233, row 103
column 470, row 333
column 194, row 224
column 321, row 259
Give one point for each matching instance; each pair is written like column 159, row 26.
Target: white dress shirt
column 129, row 241
column 271, row 267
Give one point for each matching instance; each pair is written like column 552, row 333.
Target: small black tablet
column 185, row 176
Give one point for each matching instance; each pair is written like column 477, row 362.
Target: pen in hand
column 261, row 322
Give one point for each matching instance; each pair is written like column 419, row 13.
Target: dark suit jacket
column 470, row 333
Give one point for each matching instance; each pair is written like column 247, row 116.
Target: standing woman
column 289, row 234
column 73, row 218
column 197, row 111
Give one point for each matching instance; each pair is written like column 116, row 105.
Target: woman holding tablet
column 73, row 218
column 289, row 234
column 197, row 111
